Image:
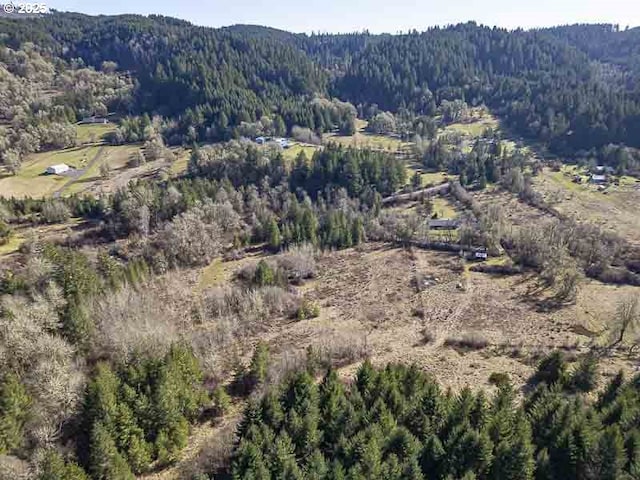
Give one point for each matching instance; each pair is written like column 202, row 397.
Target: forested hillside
column 546, row 85
column 42, row 98
column 190, row 301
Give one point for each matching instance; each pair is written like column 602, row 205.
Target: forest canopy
column 568, row 87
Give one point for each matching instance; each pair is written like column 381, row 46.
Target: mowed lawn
column 94, row 133
column 31, row 180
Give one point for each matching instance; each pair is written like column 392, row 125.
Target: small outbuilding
column 58, row 169
column 94, row 120
column 444, row 224
column 598, row 179
column 283, row 142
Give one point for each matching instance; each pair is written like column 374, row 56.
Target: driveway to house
column 79, row 173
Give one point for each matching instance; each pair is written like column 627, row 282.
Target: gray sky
column 374, row 15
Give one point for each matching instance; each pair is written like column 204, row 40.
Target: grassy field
column 31, row 181
column 115, row 156
column 614, row 209
column 364, row 139
column 182, row 161
column 94, row 132
column 443, row 207
column 12, row 245
column 294, row 150
column 435, row 178
column 479, row 121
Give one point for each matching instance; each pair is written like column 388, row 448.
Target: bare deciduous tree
column 626, row 322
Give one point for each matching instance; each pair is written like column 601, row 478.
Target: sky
column 374, row 15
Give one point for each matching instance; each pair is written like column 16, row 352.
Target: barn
column 58, row 169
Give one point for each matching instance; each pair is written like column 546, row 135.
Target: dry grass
column 443, row 207
column 467, row 341
column 364, row 139
column 614, row 211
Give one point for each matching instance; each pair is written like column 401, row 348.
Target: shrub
column 467, row 341
column 5, row 233
column 308, row 310
column 221, row 401
column 427, row 337
column 298, row 263
column 499, row 378
column 264, row 275
column 14, row 410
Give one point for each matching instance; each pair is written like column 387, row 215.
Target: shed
column 444, row 224
column 598, row 179
column 94, row 119
column 58, row 169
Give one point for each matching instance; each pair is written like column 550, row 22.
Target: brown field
column 616, row 210
column 370, row 307
column 516, row 212
column 368, row 300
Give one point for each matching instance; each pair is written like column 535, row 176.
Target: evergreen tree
column 106, row 463
column 15, row 404
column 54, row 467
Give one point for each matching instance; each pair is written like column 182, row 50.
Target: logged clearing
column 369, row 302
column 370, row 306
column 516, row 212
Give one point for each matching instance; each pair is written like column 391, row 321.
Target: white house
column 58, row 169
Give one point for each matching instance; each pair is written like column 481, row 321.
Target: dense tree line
column 398, row 423
column 207, row 81
column 140, row 413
